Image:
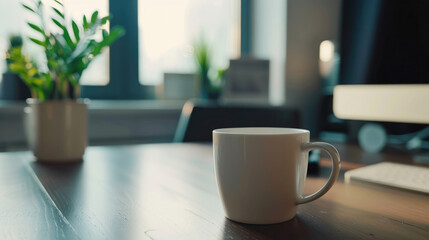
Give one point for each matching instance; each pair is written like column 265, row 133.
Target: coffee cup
column 261, row 172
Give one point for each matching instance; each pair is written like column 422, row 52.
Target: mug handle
column 336, row 164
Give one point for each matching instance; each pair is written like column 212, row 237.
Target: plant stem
column 34, row 93
column 77, row 91
column 57, row 87
column 65, row 88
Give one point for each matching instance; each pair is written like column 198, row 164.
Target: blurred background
column 261, row 53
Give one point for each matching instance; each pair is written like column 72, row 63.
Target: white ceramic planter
column 56, row 130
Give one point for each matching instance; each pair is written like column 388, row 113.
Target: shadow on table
column 292, row 229
column 59, row 179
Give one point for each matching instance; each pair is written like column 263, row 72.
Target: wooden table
column 168, row 191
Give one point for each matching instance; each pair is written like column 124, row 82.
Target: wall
column 308, row 23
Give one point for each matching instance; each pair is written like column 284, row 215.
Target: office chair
column 198, row 120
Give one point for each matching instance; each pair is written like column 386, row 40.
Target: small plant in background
column 202, row 56
column 68, row 53
column 211, row 84
column 11, row 86
column 15, row 42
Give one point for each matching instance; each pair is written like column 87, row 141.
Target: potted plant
column 211, row 84
column 56, row 119
column 12, row 88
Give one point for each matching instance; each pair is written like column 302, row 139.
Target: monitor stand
column 372, row 137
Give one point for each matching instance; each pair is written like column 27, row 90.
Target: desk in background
column 168, row 191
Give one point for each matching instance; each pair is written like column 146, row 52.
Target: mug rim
column 260, row 131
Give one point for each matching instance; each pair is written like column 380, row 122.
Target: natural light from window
column 168, row 29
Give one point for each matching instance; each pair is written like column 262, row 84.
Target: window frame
column 124, row 54
column 246, row 27
column 123, row 58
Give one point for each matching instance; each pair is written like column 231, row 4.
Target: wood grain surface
column 26, row 209
column 168, row 191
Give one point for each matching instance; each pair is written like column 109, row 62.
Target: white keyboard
column 392, row 174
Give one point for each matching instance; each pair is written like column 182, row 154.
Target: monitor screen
column 384, row 42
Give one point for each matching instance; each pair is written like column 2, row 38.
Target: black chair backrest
column 199, row 120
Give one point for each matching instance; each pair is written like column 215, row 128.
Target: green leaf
column 59, row 3
column 16, row 51
column 52, row 63
column 105, row 33
column 94, row 17
column 75, row 31
column 85, row 23
column 47, row 77
column 58, row 12
column 116, row 32
column 68, row 39
column 41, row 94
column 31, row 72
column 37, row 28
column 13, row 57
column 73, row 81
column 17, row 68
column 105, row 19
column 37, row 81
column 28, row 8
column 38, row 42
column 57, row 23
column 98, row 48
column 60, row 47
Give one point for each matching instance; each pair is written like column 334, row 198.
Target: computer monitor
column 384, row 49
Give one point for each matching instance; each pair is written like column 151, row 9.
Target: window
column 159, row 35
column 10, row 13
column 168, row 29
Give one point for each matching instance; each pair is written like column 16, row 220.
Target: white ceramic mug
column 261, row 172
